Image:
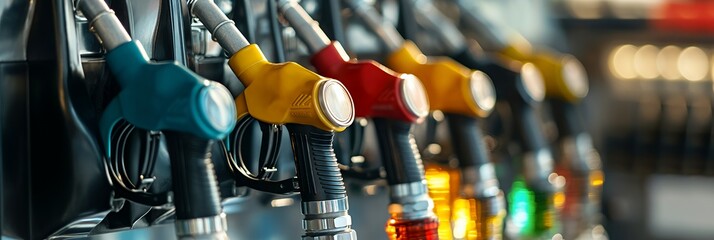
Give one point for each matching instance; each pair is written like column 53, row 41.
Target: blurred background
column 650, row 105
column 649, row 110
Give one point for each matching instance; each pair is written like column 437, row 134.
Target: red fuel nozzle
column 376, row 90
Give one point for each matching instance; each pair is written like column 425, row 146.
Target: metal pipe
column 384, row 30
column 307, row 28
column 223, row 29
column 489, row 34
column 452, row 39
column 104, row 23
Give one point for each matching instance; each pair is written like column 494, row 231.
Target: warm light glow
column 460, row 220
column 362, row 121
column 559, row 200
column 622, row 62
column 357, row 159
column 433, row 149
column 370, row 190
column 667, row 59
column 559, row 182
column 437, row 115
column 437, row 181
column 693, row 64
column 596, row 178
column 712, row 70
column 646, row 62
column 412, row 229
column 282, row 202
column 587, row 9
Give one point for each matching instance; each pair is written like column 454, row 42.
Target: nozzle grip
column 399, row 152
column 317, row 170
column 467, row 140
column 194, row 181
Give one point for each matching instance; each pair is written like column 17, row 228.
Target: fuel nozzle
column 394, row 102
column 191, row 112
column 312, row 108
column 476, row 207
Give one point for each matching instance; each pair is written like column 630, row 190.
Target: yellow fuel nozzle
column 280, row 93
column 564, row 76
column 451, row 87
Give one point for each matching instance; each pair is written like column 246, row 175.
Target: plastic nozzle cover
column 217, row 105
column 303, row 97
column 574, row 77
column 532, row 82
column 482, row 91
column 165, row 96
column 377, row 90
column 336, row 103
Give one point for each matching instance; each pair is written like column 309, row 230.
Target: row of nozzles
column 428, row 199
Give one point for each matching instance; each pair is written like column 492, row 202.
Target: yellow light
column 559, row 199
column 667, row 59
column 461, row 218
column 693, row 64
column 621, row 62
column 596, row 178
column 437, row 181
column 646, row 62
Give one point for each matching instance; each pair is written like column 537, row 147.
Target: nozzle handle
column 478, row 176
column 467, row 140
column 194, row 180
column 399, row 152
column 317, row 170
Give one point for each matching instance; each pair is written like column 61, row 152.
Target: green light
column 531, row 213
column 522, row 207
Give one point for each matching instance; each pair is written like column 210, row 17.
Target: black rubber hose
column 406, row 21
column 528, row 125
column 566, row 118
column 244, row 18
column 467, row 140
column 505, row 79
column 330, row 19
column 400, row 155
column 469, row 59
column 317, row 171
column 194, row 181
column 276, row 31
